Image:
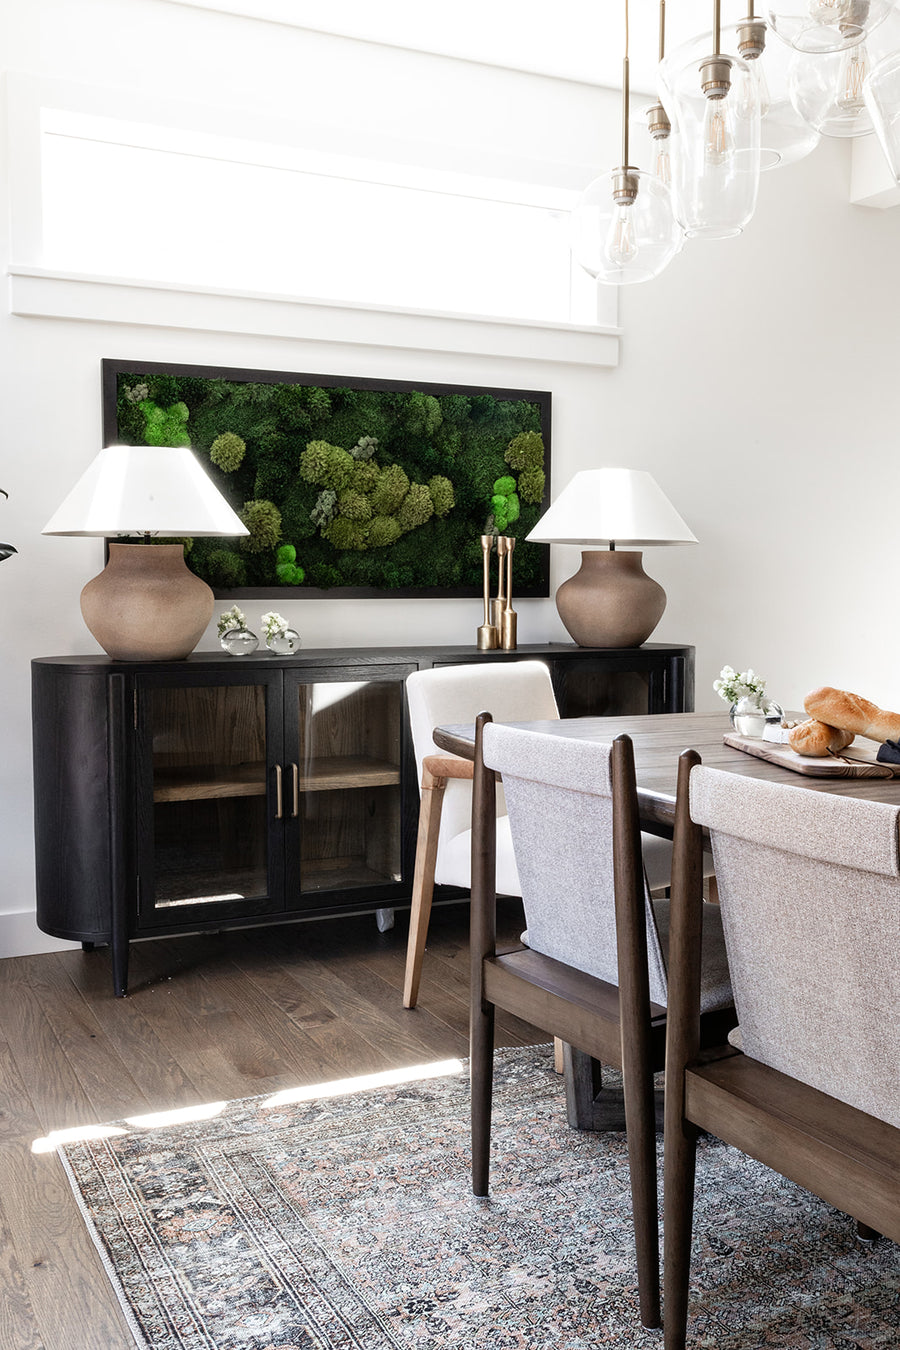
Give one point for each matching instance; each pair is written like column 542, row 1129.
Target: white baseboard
column 20, row 936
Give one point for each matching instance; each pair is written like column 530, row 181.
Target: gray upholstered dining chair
column 809, row 888
column 592, row 968
column 515, row 691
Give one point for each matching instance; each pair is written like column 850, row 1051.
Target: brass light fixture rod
column 625, row 180
column 658, row 123
column 715, row 72
column 751, row 35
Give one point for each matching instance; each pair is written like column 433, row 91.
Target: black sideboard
column 222, row 791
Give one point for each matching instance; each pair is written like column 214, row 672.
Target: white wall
column 757, row 381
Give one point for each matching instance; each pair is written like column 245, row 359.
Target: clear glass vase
column 283, row 643
column 239, row 642
column 750, row 717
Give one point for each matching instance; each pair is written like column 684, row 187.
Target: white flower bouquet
column 231, row 618
column 273, row 624
column 732, row 686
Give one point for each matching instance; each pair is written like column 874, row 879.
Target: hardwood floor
column 206, row 1017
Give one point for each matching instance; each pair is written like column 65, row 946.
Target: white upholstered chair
column 512, row 691
column 809, row 889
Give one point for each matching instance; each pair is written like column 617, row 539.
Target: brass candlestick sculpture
column 488, row 635
column 508, row 618
column 499, row 605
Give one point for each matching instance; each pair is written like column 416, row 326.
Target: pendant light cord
column 626, row 80
column 662, row 29
column 717, row 27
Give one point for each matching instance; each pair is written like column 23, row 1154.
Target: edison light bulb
column 718, row 141
column 621, row 244
column 854, row 69
column 663, row 161
column 752, row 88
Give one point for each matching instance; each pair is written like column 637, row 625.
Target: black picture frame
column 483, row 416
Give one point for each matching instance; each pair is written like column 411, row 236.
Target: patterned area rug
column 346, row 1222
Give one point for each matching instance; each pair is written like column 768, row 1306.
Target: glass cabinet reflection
column 209, row 827
column 345, row 788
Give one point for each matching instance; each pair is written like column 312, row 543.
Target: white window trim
column 39, row 292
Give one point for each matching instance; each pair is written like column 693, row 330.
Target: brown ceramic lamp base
column 146, row 605
column 610, row 601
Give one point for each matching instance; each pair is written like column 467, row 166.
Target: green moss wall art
column 349, row 488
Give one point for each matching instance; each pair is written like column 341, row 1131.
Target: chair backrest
column 809, row 887
column 512, row 691
column 559, row 798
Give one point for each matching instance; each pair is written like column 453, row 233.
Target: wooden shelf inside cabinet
column 347, row 771
column 198, row 782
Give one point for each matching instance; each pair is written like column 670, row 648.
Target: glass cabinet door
column 206, row 852
column 344, row 746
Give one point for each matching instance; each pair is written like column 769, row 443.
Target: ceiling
column 574, row 39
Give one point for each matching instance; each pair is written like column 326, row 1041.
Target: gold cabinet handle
column 295, row 780
column 278, row 799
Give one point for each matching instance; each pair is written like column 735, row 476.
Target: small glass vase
column 239, row 642
column 283, row 643
column 749, row 717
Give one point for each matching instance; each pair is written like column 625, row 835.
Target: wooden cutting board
column 857, row 761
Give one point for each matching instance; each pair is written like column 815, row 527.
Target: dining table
column 658, row 740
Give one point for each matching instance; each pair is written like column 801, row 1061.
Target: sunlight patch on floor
column 342, row 1087
column 182, row 1115
column 75, row 1134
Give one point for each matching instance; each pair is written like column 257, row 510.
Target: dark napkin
column 889, row 753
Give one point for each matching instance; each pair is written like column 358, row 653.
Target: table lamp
column 146, row 605
column 610, row 601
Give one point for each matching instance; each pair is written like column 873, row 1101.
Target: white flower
column 732, row 687
column 273, row 624
column 232, row 618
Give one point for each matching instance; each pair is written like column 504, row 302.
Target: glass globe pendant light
column 825, row 25
column 881, row 92
column 827, row 89
column 623, row 229
column 714, row 104
column 785, row 136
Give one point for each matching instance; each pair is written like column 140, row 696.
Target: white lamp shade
column 145, row 489
column 621, row 506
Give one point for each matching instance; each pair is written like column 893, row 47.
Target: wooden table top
column 659, row 740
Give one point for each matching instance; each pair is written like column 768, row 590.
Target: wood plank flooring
column 207, row 1017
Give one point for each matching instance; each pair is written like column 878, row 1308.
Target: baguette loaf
column 818, row 738
column 852, row 713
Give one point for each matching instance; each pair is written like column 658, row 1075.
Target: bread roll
column 852, row 713
column 818, row 739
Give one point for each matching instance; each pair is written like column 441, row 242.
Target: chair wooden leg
column 682, row 1045
column 423, row 883
column 481, row 1035
column 482, row 948
column 680, row 1168
column 640, row 1126
column 634, row 1014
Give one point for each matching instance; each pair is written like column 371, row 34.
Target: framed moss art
column 349, row 488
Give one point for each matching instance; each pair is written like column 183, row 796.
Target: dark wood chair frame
column 618, row 1026
column 848, row 1158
